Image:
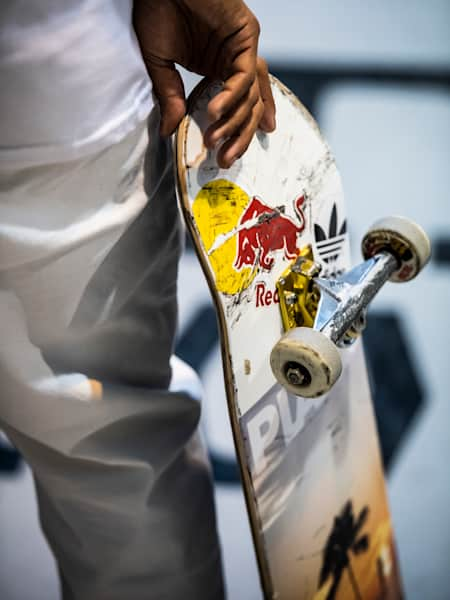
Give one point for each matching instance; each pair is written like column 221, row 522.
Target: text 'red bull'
column 262, row 230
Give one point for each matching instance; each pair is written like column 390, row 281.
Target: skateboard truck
column 321, row 314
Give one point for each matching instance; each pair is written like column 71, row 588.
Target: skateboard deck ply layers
column 311, row 468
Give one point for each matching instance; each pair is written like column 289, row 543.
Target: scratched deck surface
column 312, row 473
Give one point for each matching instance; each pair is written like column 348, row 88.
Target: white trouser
column 88, row 265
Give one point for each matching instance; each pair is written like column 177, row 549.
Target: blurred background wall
column 377, row 77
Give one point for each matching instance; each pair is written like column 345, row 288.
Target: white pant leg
column 87, row 309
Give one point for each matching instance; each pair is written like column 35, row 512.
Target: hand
column 216, row 38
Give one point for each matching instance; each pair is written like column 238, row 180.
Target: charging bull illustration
column 263, row 229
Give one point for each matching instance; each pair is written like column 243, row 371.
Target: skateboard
column 271, row 237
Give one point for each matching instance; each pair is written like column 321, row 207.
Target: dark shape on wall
column 10, row 459
column 441, row 252
column 395, row 380
column 199, row 338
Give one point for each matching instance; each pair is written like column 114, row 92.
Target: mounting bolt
column 295, row 376
column 314, row 270
column 291, row 298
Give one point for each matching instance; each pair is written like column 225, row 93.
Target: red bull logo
column 263, row 230
column 242, row 234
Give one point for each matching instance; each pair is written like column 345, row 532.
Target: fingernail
column 268, row 124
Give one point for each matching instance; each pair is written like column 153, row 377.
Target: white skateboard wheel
column 403, row 238
column 305, row 362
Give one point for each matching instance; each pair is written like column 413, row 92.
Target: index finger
column 243, row 74
column 267, row 122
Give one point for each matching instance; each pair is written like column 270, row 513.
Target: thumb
column 169, row 91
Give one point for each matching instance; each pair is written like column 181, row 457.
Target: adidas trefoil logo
column 329, row 246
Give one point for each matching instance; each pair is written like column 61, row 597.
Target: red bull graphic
column 241, row 234
column 262, row 230
column 264, row 296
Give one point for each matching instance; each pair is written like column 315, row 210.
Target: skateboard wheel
column 305, row 362
column 403, row 238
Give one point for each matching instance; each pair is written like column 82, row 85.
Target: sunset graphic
column 321, row 496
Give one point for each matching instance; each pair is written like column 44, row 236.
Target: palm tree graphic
column 343, row 540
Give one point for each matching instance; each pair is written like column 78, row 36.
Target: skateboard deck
column 310, row 467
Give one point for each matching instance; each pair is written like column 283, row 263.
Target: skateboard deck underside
column 311, row 468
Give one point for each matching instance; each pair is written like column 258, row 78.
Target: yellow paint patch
column 217, row 210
